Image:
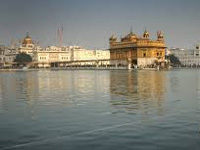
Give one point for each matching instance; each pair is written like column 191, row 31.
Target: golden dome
column 27, row 39
column 130, row 37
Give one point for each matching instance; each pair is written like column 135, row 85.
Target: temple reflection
column 140, row 90
column 129, row 91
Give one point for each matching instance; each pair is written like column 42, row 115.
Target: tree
column 174, row 60
column 23, row 58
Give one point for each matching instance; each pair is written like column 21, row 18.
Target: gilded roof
column 27, row 39
column 131, row 36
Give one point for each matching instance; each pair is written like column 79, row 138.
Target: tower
column 60, row 36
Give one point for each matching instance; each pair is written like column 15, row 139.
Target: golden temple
column 135, row 51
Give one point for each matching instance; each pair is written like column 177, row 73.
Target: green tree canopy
column 23, row 58
column 174, row 60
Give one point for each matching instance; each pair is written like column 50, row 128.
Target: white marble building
column 44, row 58
column 54, row 54
column 187, row 58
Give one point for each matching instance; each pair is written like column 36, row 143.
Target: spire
column 27, row 34
column 131, row 30
column 145, row 27
column 60, row 36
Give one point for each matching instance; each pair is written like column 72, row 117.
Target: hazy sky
column 90, row 23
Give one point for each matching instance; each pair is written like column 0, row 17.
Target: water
column 101, row 110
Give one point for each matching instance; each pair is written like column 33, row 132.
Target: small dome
column 160, row 35
column 113, row 38
column 146, row 34
column 27, row 39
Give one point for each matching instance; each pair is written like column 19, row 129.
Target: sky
column 90, row 23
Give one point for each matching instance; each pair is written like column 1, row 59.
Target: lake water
column 100, row 110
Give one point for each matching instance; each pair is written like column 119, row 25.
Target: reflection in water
column 137, row 90
column 82, row 109
column 52, row 88
column 71, row 88
column 18, row 87
column 2, row 104
column 174, row 84
column 130, row 91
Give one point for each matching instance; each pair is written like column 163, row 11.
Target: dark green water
column 100, row 110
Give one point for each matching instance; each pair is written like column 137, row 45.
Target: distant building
column 137, row 51
column 74, row 54
column 44, row 58
column 53, row 56
column 102, row 54
column 7, row 56
column 187, row 58
column 2, row 52
column 79, row 53
column 82, row 56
